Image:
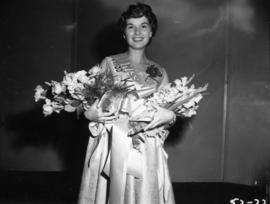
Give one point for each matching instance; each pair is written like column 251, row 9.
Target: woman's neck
column 137, row 56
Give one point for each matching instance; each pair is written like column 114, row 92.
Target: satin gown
column 118, row 172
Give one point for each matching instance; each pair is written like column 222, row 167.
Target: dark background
column 224, row 43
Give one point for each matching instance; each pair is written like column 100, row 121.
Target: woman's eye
column 145, row 26
column 129, row 27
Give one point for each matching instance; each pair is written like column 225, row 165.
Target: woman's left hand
column 162, row 116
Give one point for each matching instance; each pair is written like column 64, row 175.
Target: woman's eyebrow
column 143, row 23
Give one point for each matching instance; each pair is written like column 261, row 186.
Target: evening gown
column 118, row 172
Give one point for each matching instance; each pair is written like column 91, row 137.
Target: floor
column 61, row 188
column 36, row 202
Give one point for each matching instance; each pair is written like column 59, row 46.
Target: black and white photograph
column 135, row 102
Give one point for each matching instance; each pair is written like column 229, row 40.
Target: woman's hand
column 161, row 117
column 95, row 113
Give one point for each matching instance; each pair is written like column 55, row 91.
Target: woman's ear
column 151, row 34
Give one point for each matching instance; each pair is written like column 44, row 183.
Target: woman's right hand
column 95, row 113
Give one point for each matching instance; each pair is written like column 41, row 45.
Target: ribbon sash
column 121, row 145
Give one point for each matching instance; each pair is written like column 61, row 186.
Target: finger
column 156, row 106
column 154, row 124
column 150, row 125
column 96, row 102
column 105, row 114
column 108, row 117
column 104, row 119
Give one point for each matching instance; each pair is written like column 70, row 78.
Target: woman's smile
column 137, row 39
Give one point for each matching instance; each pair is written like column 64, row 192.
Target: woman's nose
column 137, row 31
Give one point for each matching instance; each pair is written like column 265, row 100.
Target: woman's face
column 138, row 32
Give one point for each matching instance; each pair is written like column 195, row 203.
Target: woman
column 120, row 169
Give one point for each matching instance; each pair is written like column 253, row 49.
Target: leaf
column 75, row 103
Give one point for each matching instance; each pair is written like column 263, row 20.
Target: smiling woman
column 138, row 32
column 119, row 167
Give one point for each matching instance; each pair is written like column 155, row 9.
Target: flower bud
column 69, row 108
column 57, row 88
column 47, row 109
column 94, row 70
column 39, row 93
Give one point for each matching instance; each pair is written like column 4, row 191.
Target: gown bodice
column 122, row 68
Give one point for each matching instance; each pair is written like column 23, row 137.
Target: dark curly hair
column 136, row 11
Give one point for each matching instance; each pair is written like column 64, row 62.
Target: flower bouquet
column 179, row 97
column 79, row 90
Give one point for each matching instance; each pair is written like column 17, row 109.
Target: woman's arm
column 95, row 113
column 162, row 116
column 164, row 80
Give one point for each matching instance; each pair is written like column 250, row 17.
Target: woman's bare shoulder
column 154, row 63
column 113, row 60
